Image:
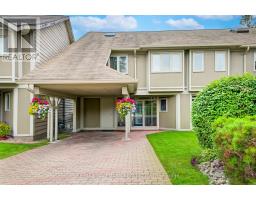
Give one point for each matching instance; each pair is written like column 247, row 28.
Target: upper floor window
column 220, row 61
column 166, row 62
column 198, row 62
column 7, row 101
column 119, row 63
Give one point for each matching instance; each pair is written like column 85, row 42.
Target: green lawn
column 175, row 150
column 7, row 149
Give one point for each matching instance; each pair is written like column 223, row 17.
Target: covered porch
column 93, row 105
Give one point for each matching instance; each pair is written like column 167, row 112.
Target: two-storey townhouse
column 161, row 70
column 45, row 37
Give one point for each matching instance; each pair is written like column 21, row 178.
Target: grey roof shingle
column 85, row 60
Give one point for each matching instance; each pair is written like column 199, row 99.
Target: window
column 198, row 62
column 166, row 62
column 163, row 105
column 1, row 45
column 119, row 63
column 7, row 101
column 220, row 61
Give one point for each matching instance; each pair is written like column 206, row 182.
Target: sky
column 83, row 24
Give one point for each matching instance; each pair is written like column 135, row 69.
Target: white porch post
column 127, row 117
column 51, row 118
column 48, row 125
column 57, row 101
column 74, row 115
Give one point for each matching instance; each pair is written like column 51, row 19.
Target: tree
column 247, row 21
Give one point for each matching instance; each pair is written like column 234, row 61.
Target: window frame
column 193, row 62
column 166, row 106
column 225, row 56
column 118, row 66
column 2, row 38
column 169, row 53
column 7, row 102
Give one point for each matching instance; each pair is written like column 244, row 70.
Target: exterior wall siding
column 65, row 114
column 53, row 40
column 168, row 119
column 200, row 79
column 23, row 118
column 236, row 62
column 185, row 111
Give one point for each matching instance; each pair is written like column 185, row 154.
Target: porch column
column 57, row 101
column 74, row 115
column 48, row 125
column 127, row 117
column 51, row 110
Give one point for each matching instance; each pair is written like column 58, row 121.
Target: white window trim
column 117, row 60
column 7, row 104
column 2, row 53
column 168, row 53
column 225, row 67
column 254, row 61
column 160, row 110
column 193, row 62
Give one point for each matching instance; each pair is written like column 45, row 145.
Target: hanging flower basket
column 124, row 106
column 39, row 107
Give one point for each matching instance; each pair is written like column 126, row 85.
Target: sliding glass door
column 145, row 114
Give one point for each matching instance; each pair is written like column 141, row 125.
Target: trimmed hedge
column 233, row 96
column 235, row 140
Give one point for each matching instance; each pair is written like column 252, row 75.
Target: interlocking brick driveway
column 87, row 158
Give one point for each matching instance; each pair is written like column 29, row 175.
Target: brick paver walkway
column 87, row 158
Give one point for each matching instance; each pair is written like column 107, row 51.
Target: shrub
column 4, row 129
column 207, row 155
column 232, row 96
column 235, row 140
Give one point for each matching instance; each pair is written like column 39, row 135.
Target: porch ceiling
column 102, row 89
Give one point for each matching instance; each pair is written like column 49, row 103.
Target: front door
column 145, row 114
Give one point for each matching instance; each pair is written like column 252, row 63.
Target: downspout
column 135, row 64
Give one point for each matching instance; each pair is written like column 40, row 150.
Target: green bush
column 235, row 140
column 4, row 129
column 233, row 96
column 207, row 155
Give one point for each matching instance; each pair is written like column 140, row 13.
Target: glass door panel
column 138, row 115
column 150, row 113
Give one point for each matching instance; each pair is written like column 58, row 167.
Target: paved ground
column 87, row 158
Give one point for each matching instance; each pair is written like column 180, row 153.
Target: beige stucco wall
column 236, row 62
column 141, row 70
column 209, row 74
column 185, row 111
column 92, row 112
column 165, row 81
column 23, row 122
column 168, row 119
